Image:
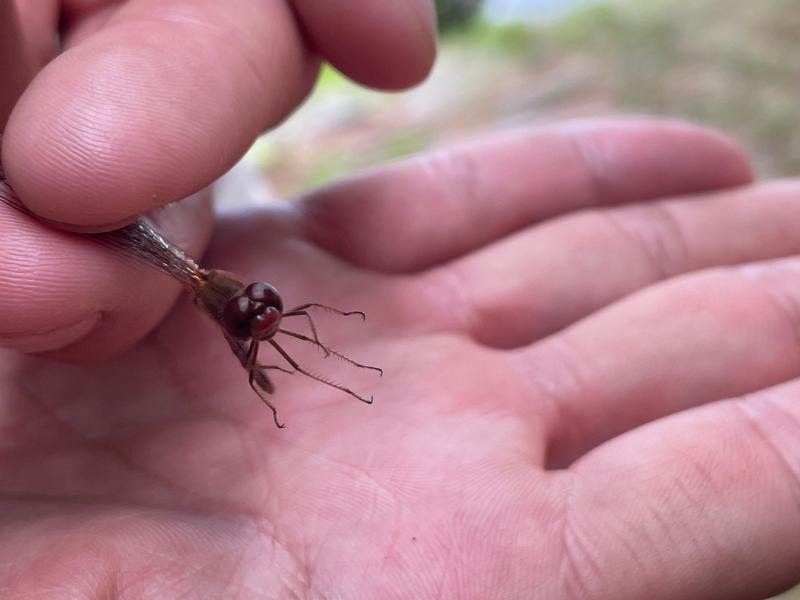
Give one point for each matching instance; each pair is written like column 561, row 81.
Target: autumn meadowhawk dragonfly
column 249, row 315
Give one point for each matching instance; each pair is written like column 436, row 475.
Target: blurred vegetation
column 730, row 63
column 734, row 64
column 453, row 14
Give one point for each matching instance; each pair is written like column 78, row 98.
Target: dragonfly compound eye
column 265, row 325
column 238, row 314
column 264, row 292
column 248, row 316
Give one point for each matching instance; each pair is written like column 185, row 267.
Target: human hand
column 540, row 312
column 148, row 103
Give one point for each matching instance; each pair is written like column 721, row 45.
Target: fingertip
column 16, row 63
column 691, row 156
column 385, row 45
column 152, row 108
column 733, row 155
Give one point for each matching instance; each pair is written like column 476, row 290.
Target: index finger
column 16, row 64
column 158, row 103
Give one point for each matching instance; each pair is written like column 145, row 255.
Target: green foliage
column 589, row 24
column 455, row 14
column 330, row 79
column 507, row 39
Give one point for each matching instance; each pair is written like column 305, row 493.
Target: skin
column 589, row 337
column 112, row 127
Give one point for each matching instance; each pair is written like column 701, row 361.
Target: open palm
column 530, row 301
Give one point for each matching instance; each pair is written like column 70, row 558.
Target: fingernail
column 55, row 339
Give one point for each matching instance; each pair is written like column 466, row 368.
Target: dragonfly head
column 255, row 313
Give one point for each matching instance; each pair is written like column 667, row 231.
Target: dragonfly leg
column 330, row 350
column 336, row 311
column 257, row 376
column 298, row 313
column 316, row 377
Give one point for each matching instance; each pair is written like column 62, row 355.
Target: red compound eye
column 237, row 315
column 264, row 292
column 265, row 325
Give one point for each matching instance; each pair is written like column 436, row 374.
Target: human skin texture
column 148, row 103
column 588, row 332
column 579, row 395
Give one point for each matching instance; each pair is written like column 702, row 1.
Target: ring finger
column 689, row 341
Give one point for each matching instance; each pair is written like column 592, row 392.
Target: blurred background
column 733, row 64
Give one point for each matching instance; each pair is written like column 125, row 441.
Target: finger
column 39, row 22
column 16, row 62
column 691, row 340
column 382, row 44
column 68, row 296
column 82, row 18
column 546, row 277
column 443, row 205
column 703, row 504
column 154, row 106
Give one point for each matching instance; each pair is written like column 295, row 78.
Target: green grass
column 331, row 80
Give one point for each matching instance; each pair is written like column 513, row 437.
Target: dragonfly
column 248, row 314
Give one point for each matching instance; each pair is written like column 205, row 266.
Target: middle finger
column 548, row 276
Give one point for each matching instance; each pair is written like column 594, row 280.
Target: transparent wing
column 138, row 240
